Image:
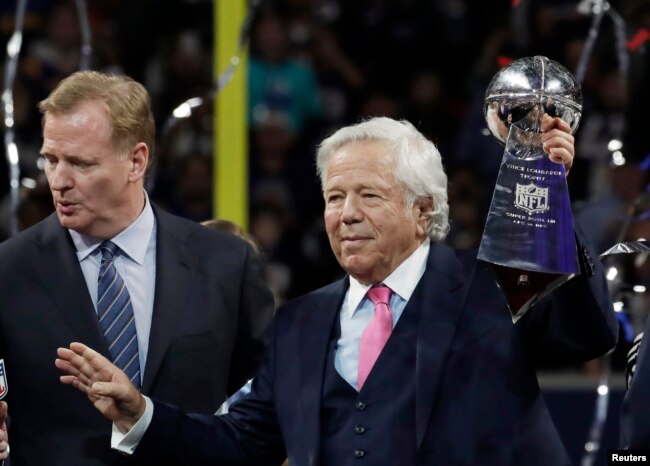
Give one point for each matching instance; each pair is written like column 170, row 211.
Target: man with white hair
column 411, row 359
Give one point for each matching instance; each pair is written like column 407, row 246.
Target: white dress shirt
column 136, row 265
column 356, row 312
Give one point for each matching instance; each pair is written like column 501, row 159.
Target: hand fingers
column 81, row 361
column 3, row 411
column 80, row 372
column 71, row 370
column 560, row 155
column 65, row 366
column 117, row 391
column 65, row 354
column 558, row 140
column 560, row 149
column 74, row 366
column 548, row 123
column 75, row 382
column 4, row 434
column 96, row 360
column 557, row 133
column 79, row 385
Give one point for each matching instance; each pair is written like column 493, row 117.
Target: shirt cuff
column 127, row 442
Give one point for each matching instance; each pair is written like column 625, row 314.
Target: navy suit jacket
column 208, row 333
column 635, row 416
column 477, row 397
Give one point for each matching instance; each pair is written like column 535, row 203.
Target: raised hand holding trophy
column 529, row 235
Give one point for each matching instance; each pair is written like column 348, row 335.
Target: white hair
column 418, row 167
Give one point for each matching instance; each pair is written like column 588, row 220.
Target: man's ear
column 424, row 208
column 139, row 158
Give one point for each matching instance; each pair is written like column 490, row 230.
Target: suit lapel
column 57, row 266
column 175, row 269
column 440, row 297
column 314, row 331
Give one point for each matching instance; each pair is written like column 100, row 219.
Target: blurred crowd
column 316, row 65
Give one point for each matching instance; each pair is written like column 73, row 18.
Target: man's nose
column 352, row 211
column 60, row 177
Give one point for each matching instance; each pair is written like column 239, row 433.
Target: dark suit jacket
column 635, row 419
column 477, row 397
column 209, row 323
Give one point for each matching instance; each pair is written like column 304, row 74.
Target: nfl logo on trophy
column 531, row 198
column 4, row 388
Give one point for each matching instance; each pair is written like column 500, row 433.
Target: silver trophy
column 529, row 235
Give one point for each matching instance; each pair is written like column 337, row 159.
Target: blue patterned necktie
column 115, row 313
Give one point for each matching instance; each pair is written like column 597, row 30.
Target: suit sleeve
column 248, row 434
column 576, row 322
column 255, row 314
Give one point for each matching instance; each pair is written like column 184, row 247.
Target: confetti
column 641, row 36
column 503, row 61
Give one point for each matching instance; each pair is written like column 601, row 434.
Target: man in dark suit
column 182, row 308
column 635, row 427
column 412, row 359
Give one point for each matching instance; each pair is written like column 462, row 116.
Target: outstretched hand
column 107, row 387
column 4, row 434
column 557, row 140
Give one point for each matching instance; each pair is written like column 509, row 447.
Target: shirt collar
column 402, row 281
column 133, row 241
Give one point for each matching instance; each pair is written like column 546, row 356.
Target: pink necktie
column 376, row 333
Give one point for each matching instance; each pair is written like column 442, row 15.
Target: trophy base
column 524, row 288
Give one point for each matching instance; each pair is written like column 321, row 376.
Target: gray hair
column 418, row 166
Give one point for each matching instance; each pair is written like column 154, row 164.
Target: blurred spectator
column 234, row 229
column 178, row 72
column 339, row 78
column 600, row 125
column 192, row 193
column 47, row 58
column 56, row 55
column 474, row 145
column 602, row 216
column 426, row 109
column 277, row 83
column 273, row 140
column 465, row 221
column 271, row 228
column 279, row 165
column 35, row 13
column 379, row 103
column 35, row 205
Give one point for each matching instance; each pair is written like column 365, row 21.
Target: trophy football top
column 522, row 92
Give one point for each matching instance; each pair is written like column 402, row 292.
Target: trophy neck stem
column 522, row 139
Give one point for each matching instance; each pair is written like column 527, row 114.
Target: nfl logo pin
column 4, row 388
